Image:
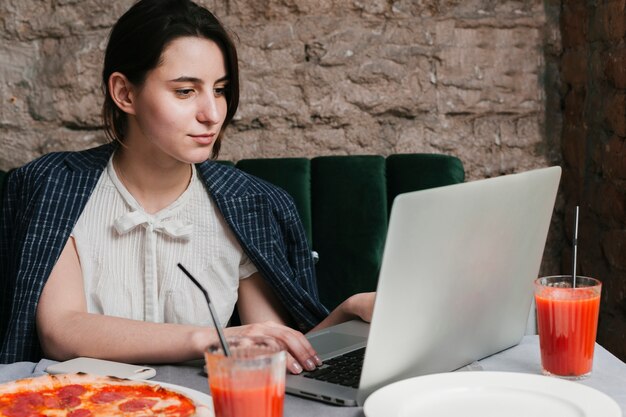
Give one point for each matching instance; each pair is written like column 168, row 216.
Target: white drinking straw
column 574, row 246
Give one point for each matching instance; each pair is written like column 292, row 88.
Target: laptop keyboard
column 343, row 370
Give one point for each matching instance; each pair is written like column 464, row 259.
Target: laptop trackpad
column 327, row 342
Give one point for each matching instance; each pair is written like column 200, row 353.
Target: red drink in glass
column 250, row 400
column 251, row 381
column 567, row 321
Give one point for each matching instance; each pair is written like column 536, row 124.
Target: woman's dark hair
column 139, row 38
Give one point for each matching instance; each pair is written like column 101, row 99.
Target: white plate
column 200, row 398
column 489, row 394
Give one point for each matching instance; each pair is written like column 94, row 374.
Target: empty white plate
column 489, row 394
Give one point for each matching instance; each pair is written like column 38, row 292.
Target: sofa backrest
column 344, row 204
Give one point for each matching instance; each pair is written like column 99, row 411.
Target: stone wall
column 594, row 152
column 322, row 77
column 383, row 77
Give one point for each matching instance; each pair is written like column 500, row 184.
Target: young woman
column 91, row 239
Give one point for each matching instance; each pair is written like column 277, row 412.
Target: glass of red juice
column 251, row 381
column 567, row 321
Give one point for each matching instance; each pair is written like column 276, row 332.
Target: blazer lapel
column 247, row 212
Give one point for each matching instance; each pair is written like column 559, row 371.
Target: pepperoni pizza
column 84, row 395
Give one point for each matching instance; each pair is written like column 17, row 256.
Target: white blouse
column 129, row 257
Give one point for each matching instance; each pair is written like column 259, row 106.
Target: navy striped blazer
column 44, row 199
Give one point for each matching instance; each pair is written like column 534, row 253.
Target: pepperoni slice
column 61, row 402
column 71, row 391
column 33, row 399
column 24, row 405
column 105, row 397
column 137, row 404
column 69, row 402
column 15, row 411
column 53, row 402
column 81, row 412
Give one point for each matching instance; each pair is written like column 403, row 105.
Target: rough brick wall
column 594, row 152
column 319, row 77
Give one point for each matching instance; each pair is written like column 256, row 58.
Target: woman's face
column 180, row 108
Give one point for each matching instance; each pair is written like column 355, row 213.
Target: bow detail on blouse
column 171, row 227
column 174, row 228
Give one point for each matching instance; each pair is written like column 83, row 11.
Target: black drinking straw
column 574, row 248
column 216, row 321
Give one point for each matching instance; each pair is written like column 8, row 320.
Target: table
column 609, row 376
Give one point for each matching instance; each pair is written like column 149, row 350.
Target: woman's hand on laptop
column 300, row 353
column 261, row 313
column 359, row 306
column 362, row 305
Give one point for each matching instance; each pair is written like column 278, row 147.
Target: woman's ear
column 122, row 92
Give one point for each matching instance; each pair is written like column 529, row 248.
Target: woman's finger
column 297, row 345
column 292, row 365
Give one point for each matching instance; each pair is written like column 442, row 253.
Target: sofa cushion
column 349, row 197
column 413, row 172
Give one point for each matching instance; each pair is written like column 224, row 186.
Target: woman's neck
column 154, row 182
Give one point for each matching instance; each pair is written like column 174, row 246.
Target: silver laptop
column 455, row 286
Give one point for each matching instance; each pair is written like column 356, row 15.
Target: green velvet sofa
column 344, row 203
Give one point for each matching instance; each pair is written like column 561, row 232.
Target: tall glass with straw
column 246, row 373
column 567, row 320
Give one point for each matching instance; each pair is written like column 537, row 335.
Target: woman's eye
column 219, row 91
column 184, row 92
